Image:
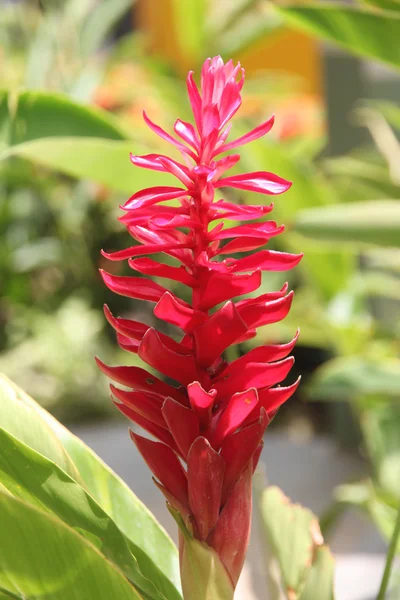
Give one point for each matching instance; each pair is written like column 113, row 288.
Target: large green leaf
column 364, row 31
column 372, row 222
column 37, row 114
column 42, row 558
column 38, row 481
column 297, row 545
column 154, row 550
column 83, row 142
column 101, row 160
column 22, row 420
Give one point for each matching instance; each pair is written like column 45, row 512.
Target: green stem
column 389, row 558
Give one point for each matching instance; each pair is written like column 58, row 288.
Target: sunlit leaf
column 154, row 550
column 371, row 222
column 360, row 30
column 41, row 556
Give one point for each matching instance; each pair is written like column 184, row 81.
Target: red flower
column 215, row 416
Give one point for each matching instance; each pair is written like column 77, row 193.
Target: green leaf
column 363, row 31
column 37, row 114
column 352, row 377
column 22, row 420
column 306, row 565
column 100, row 23
column 380, row 506
column 154, row 550
column 189, row 28
column 371, row 222
column 101, row 160
column 33, row 478
column 320, row 580
column 41, row 557
column 79, row 141
column 203, row 575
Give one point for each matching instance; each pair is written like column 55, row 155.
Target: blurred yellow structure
column 286, row 51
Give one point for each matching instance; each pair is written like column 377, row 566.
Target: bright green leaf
column 36, row 480
column 101, row 160
column 41, row 557
column 151, row 545
column 372, row 222
column 21, row 419
column 37, row 114
column 363, row 31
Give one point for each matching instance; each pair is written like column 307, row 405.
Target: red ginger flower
column 215, row 418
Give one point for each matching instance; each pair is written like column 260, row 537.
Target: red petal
column 146, row 405
column 173, row 167
column 195, row 99
column 202, row 402
column 147, row 266
column 235, row 413
column 131, row 329
column 254, row 375
column 141, row 380
column 182, row 423
column 271, row 399
column 237, row 451
column 252, row 230
column 256, row 315
column 139, row 288
column 221, row 287
column 266, row 260
column 153, row 195
column 225, row 164
column 242, row 245
column 205, row 477
column 187, row 132
column 230, row 536
column 174, row 311
column 254, row 134
column 181, row 367
column 158, row 432
column 141, row 249
column 168, row 138
column 261, row 354
column 165, row 465
column 152, row 161
column 238, row 212
column 259, row 181
column 220, row 330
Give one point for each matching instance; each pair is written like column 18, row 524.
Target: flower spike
column 209, row 425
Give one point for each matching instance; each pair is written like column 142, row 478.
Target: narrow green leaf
column 189, row 28
column 371, row 222
column 41, row 557
column 28, row 475
column 100, row 22
column 363, row 31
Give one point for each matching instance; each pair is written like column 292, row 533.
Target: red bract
column 214, row 417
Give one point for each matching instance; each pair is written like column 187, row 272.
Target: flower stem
column 389, row 558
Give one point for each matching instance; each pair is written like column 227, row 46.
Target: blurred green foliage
column 343, row 212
